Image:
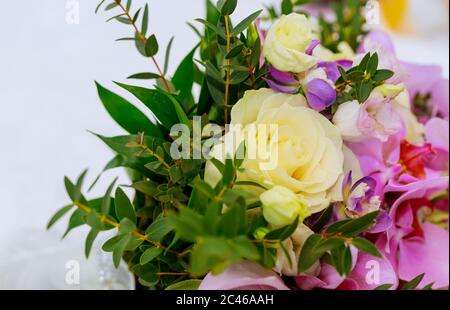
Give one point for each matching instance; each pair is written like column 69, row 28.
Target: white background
column 48, row 100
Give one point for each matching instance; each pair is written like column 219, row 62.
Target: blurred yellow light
column 395, row 13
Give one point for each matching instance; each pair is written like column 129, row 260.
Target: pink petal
column 244, row 276
column 371, row 272
column 429, row 256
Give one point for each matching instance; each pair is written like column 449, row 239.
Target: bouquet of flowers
column 289, row 150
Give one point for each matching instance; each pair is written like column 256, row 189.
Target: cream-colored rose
column 281, row 207
column 287, row 41
column 304, row 153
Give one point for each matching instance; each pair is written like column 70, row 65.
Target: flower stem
column 228, row 69
column 144, row 41
column 136, row 233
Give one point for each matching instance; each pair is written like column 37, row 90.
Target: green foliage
column 335, row 241
column 358, row 82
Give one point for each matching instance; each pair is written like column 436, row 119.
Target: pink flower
column 428, row 80
column 413, row 246
column 244, row 276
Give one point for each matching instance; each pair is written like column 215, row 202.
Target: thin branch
column 136, row 233
column 228, row 69
column 144, row 41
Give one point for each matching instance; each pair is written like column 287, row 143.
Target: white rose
column 287, row 41
column 304, row 154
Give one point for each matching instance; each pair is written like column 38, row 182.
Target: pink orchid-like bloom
column 378, row 118
column 412, row 245
column 437, row 134
column 367, row 273
column 427, row 80
column 399, row 162
column 244, row 276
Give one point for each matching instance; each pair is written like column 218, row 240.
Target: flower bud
column 281, row 207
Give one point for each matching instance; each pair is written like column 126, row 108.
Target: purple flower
column 331, row 68
column 320, row 94
column 319, row 91
column 282, row 82
column 360, row 198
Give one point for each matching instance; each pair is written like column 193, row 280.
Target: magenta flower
column 244, row 276
column 428, row 80
column 412, row 245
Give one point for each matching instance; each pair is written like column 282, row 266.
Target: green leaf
column 228, row 7
column 245, row 23
column 383, row 75
column 188, row 224
column 183, row 79
column 212, row 27
column 144, row 27
column 323, row 219
column 363, row 64
column 94, row 221
column 119, row 249
column 160, row 228
column 157, row 102
column 364, row 91
column 92, row 235
column 354, row 227
column 372, row 65
column 149, row 255
column 366, row 246
column 148, row 188
column 111, row 243
column 75, row 220
column 111, row 6
column 59, row 214
column 187, row 285
column 284, row 232
column 287, row 7
column 106, row 201
column 182, row 117
column 167, row 57
column 99, row 6
column 124, row 208
column 151, row 46
column 144, row 76
column 127, row 115
column 383, row 287
column 308, row 257
column 235, row 51
column 233, row 222
column 126, row 226
column 413, row 284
